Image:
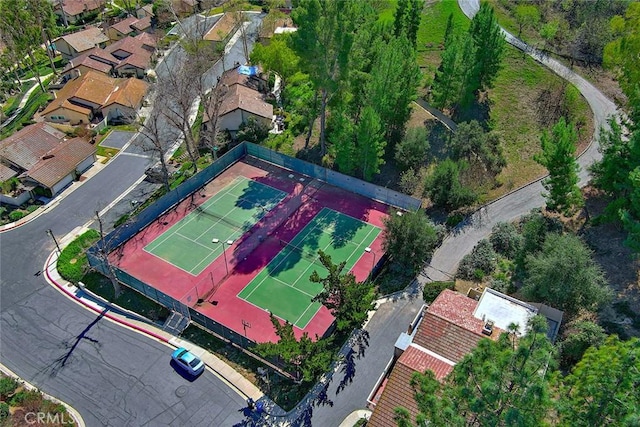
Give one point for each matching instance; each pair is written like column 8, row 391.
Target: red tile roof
column 61, row 161
column 420, row 360
column 88, row 60
column 397, row 392
column 445, row 338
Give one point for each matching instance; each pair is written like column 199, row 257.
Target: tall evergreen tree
column 602, row 390
column 406, row 19
column 558, row 156
column 370, row 143
column 490, row 47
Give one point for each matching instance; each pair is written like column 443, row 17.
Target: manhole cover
column 181, row 391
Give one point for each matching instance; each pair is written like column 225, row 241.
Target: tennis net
column 237, row 225
column 304, row 253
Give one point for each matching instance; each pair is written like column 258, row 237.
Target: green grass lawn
column 512, row 101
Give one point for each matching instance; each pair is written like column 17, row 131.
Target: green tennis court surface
column 283, row 286
column 225, row 216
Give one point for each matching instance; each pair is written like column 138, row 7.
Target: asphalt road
column 111, row 375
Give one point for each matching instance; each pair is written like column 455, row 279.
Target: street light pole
column 224, row 252
column 50, row 233
column 373, row 262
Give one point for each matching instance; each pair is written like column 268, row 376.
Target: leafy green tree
column 558, row 156
column 623, row 55
column 412, row 152
column 535, row 228
column 578, row 336
column 277, row 56
column 506, row 239
column 527, row 15
column 472, row 143
column 490, row 47
column 349, row 301
column 602, row 390
column 444, row 187
column 480, row 262
column 305, row 358
column 409, row 240
column 564, row 275
column 503, row 382
column 253, row 131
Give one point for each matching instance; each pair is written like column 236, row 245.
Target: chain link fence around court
column 120, row 235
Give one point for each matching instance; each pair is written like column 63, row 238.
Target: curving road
column 110, row 374
column 521, row 201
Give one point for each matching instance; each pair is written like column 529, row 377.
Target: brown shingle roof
column 221, row 28
column 26, row 147
column 76, row 7
column 6, row 172
column 240, row 97
column 92, row 87
column 124, row 26
column 138, row 55
column 60, row 161
column 147, row 40
column 232, row 77
column 142, row 24
column 88, row 60
column 129, row 93
column 86, row 39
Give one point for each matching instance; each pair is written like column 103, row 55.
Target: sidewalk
column 135, row 322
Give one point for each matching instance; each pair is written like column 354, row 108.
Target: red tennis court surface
column 213, row 293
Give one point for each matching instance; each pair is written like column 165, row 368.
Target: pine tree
column 489, row 47
column 558, row 156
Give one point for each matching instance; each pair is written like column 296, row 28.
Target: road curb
column 70, row 409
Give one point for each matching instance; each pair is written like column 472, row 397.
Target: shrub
column 16, row 215
column 412, row 152
column 445, row 189
column 409, row 181
column 433, row 289
column 7, row 387
column 454, row 219
column 4, row 411
column 480, row 262
column 500, row 285
column 506, row 239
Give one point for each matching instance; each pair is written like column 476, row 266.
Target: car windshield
column 195, row 362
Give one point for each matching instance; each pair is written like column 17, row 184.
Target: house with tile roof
column 130, row 56
column 241, row 100
column 75, row 44
column 130, row 26
column 41, row 156
column 440, row 336
column 77, row 10
column 96, row 95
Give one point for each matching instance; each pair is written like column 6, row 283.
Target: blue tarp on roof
column 248, row 70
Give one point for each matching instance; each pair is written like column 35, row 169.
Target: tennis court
column 283, row 286
column 227, row 215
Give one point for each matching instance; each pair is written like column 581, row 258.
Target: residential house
column 440, row 336
column 241, row 99
column 41, row 156
column 96, row 96
column 75, row 44
column 222, row 30
column 130, row 26
column 186, row 7
column 130, row 56
column 73, row 11
column 145, row 11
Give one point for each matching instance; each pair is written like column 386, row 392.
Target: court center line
column 292, row 287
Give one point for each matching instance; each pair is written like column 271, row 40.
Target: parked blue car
column 188, row 361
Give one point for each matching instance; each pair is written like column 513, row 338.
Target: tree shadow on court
column 295, row 253
column 256, row 195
